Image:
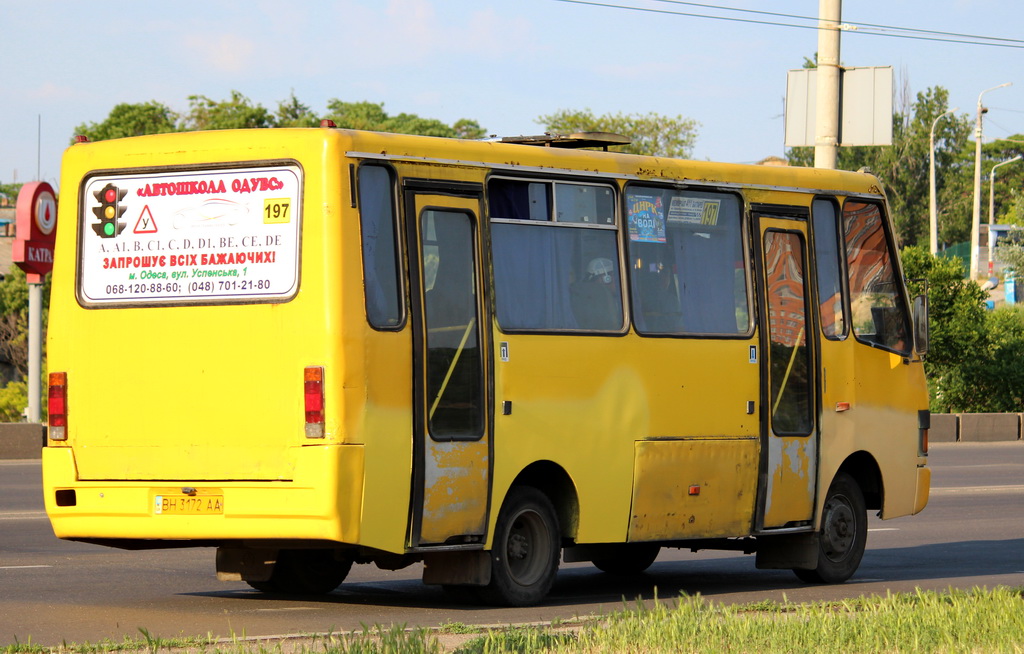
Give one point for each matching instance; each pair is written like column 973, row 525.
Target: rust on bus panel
column 791, row 480
column 455, row 490
column 700, row 488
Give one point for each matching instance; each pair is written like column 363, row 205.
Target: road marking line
column 1013, row 490
column 23, row 515
column 22, row 567
column 884, row 529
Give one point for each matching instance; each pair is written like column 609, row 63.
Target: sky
column 503, row 63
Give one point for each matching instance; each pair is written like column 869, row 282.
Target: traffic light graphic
column 109, row 211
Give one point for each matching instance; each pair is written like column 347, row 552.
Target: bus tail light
column 313, row 392
column 924, row 423
column 57, row 406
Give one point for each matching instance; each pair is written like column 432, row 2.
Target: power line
column 854, row 25
column 866, row 29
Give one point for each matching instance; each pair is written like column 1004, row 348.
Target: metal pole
column 992, row 208
column 976, row 214
column 35, row 351
column 826, row 137
column 934, row 222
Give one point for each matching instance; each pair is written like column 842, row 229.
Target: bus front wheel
column 524, row 559
column 843, row 536
column 305, row 572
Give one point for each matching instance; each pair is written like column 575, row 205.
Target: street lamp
column 991, row 208
column 976, row 214
column 934, row 242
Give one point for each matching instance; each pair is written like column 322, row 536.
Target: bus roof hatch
column 577, row 140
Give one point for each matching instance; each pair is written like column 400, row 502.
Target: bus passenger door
column 451, row 451
column 789, row 433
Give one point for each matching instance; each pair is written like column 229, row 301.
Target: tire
column 631, row 559
column 524, row 559
column 843, row 536
column 305, row 572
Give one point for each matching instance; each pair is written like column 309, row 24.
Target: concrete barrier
column 988, row 427
column 945, row 428
column 22, row 440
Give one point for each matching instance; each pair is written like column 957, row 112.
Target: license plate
column 180, row 504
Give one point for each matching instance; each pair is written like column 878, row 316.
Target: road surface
column 971, row 534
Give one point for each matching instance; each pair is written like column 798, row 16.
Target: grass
column 976, row 620
column 956, row 621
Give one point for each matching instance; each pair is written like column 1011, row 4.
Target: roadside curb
column 974, row 427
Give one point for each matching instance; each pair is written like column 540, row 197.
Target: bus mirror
column 921, row 324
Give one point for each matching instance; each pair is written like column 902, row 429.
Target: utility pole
column 976, row 214
column 826, row 134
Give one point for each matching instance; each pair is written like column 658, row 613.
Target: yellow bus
column 310, row 348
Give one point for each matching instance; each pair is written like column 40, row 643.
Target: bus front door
column 789, row 434
column 452, row 446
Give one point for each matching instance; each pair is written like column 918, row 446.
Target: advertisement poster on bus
column 646, row 218
column 207, row 236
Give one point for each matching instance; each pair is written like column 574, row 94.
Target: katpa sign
column 35, row 229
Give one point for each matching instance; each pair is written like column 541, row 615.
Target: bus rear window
column 198, row 236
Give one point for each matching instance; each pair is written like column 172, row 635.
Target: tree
column 236, row 113
column 239, row 112
column 14, row 340
column 292, row 113
column 131, row 120
column 371, row 116
column 973, row 363
column 468, row 129
column 956, row 307
column 14, row 318
column 9, row 194
column 651, row 133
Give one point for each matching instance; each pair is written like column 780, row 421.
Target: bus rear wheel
column 630, row 559
column 305, row 572
column 843, row 536
column 524, row 559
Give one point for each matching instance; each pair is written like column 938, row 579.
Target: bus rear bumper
column 323, row 502
column 924, row 482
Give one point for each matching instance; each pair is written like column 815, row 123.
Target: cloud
column 225, row 53
column 48, row 91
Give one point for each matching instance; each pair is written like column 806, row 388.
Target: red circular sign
column 35, row 228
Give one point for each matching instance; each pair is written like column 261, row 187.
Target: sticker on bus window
column 694, row 211
column 646, row 218
column 201, row 236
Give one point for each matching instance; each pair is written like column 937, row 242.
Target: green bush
column 13, row 400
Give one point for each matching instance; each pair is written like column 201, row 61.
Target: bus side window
column 554, row 275
column 384, row 306
column 687, row 263
column 831, row 304
column 878, row 310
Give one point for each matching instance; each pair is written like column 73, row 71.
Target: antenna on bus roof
column 578, row 140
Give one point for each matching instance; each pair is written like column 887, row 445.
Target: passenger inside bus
column 595, row 297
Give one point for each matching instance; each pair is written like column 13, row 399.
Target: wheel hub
column 839, row 528
column 518, row 547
